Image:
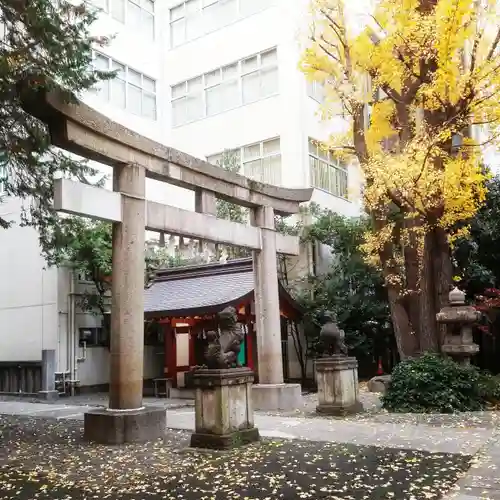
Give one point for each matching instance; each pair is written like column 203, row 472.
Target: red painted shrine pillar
column 193, row 336
column 249, row 338
column 171, row 354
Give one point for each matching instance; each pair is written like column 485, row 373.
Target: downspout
column 68, row 334
column 71, row 332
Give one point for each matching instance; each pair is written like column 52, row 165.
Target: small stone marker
column 379, row 383
column 223, row 408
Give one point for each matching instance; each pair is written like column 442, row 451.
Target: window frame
column 312, row 86
column 240, row 153
column 127, row 69
column 141, row 4
column 238, row 76
column 315, row 84
column 202, row 8
column 333, row 163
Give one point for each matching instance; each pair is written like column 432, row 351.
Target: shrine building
column 181, row 305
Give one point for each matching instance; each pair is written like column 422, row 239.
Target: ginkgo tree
column 421, row 82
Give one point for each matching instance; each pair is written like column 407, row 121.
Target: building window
column 327, row 172
column 226, row 88
column 260, row 161
column 84, row 277
column 194, row 18
column 316, row 91
column 129, row 90
column 139, row 15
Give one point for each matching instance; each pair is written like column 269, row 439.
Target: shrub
column 438, row 385
column 489, row 388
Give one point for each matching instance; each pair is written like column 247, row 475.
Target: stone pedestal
column 118, row 427
column 338, row 392
column 223, row 409
column 271, row 397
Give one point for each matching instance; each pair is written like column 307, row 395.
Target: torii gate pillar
column 271, row 393
column 127, row 420
column 127, row 322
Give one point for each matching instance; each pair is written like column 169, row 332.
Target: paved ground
column 370, row 401
column 482, row 480
column 460, row 435
column 47, row 459
column 416, row 436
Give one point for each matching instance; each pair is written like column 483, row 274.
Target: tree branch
column 494, row 46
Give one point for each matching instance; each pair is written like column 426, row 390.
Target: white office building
column 202, row 76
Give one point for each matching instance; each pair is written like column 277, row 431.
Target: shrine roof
column 203, row 289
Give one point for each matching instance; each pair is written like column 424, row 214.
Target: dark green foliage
column 225, row 209
column 489, row 388
column 476, row 258
column 47, row 46
column 433, row 384
column 350, row 288
column 231, row 211
column 87, row 247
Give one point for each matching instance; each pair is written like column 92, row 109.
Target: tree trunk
column 435, row 286
column 406, row 338
column 427, row 305
column 405, row 335
column 412, row 270
column 300, row 351
column 443, row 273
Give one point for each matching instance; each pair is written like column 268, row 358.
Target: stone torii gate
column 80, row 129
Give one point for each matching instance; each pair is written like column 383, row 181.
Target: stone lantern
column 459, row 319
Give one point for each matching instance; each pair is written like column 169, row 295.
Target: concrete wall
column 95, row 369
column 28, row 293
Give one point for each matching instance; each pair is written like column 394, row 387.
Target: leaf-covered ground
column 47, row 459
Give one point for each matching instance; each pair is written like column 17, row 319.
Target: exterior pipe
column 69, row 329
column 72, row 368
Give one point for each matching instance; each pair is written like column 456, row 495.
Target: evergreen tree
column 225, row 209
column 230, row 211
column 46, row 45
column 351, row 288
column 476, row 257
